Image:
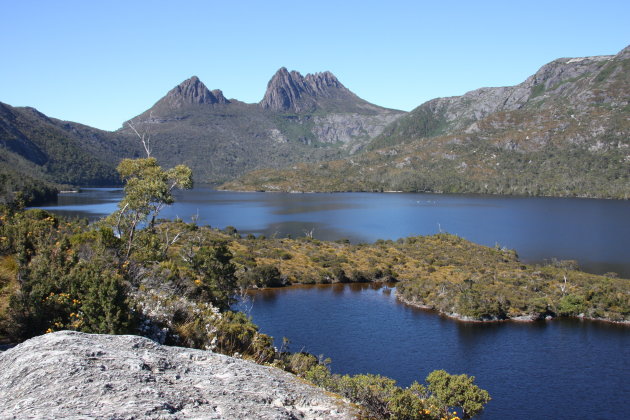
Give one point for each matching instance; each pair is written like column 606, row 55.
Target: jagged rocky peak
column 218, row 94
column 284, row 91
column 323, row 84
column 193, row 92
column 290, row 91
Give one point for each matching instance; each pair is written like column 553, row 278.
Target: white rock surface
column 73, row 375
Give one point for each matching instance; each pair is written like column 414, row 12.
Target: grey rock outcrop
column 290, row 91
column 352, row 129
column 301, row 118
column 74, row 375
column 191, row 92
column 577, row 84
column 555, row 77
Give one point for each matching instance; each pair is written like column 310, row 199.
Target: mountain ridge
column 300, row 118
column 460, row 112
column 292, row 92
column 191, row 91
column 564, row 131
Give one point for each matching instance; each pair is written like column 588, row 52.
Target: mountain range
column 563, row 132
column 300, row 118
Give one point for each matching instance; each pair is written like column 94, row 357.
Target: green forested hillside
column 64, row 152
column 39, row 153
column 21, row 188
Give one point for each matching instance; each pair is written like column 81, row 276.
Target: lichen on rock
column 75, row 375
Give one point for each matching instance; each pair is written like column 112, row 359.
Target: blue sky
column 101, row 63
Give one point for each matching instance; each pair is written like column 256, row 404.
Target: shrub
column 217, row 281
column 265, row 276
column 235, row 333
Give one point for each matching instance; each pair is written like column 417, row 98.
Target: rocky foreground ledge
column 73, row 375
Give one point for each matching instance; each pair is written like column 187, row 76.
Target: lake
column 561, row 369
column 594, row 232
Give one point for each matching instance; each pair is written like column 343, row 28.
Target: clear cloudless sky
column 101, row 63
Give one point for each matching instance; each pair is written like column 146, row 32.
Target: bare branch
column 120, row 213
column 145, row 138
column 563, row 287
column 169, row 242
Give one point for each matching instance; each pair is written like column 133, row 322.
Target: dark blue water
column 560, row 369
column 594, row 232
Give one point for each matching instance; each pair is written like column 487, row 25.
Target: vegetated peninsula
column 562, row 132
column 442, row 272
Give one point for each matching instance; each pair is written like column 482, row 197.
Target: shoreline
column 279, row 190
column 520, row 319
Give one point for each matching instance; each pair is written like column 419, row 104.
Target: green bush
column 381, row 398
column 217, row 281
column 235, row 333
column 265, row 276
column 571, row 305
column 67, row 278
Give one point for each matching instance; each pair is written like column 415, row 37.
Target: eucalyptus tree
column 148, row 189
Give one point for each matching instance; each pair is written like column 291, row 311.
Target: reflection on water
column 594, row 232
column 541, row 370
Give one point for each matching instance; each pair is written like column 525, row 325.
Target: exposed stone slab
column 74, row 375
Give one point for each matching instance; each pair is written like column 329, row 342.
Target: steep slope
column 301, row 118
column 562, row 132
column 61, row 151
column 584, row 82
column 75, row 375
column 38, row 151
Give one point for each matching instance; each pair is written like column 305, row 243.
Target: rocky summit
column 301, row 118
column 191, row 92
column 290, row 91
column 73, row 375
